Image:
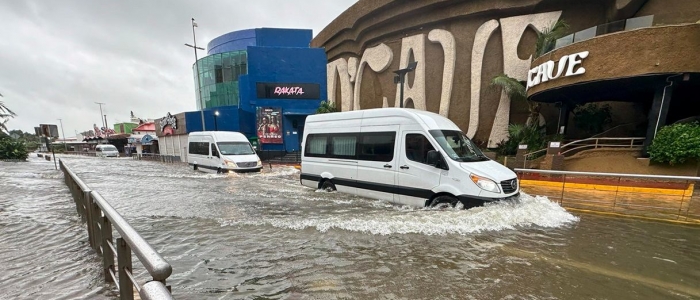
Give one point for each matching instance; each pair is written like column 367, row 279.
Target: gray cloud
column 59, row 57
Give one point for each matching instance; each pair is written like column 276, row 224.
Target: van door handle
column 387, row 166
column 404, row 167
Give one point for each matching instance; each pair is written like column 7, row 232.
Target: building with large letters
column 641, row 56
column 261, row 82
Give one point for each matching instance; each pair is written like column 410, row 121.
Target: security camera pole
column 401, row 78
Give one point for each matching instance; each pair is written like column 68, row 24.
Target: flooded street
column 264, row 236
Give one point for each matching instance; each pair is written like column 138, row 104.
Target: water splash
column 524, row 212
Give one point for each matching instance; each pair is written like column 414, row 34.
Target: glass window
column 377, row 146
column 217, row 60
column 235, row 148
column 344, row 145
column 417, row 147
column 457, row 146
column 316, row 145
column 219, row 74
column 213, row 150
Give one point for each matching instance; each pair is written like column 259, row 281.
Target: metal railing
column 100, row 218
column 604, row 142
column 81, row 153
column 157, row 157
column 274, row 156
column 573, row 147
column 675, row 198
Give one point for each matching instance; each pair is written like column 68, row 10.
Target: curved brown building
column 461, row 45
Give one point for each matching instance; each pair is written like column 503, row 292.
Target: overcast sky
column 60, row 57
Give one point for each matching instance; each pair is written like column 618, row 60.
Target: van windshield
column 458, row 146
column 109, row 148
column 235, row 148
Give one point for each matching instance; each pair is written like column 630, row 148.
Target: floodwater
column 264, row 236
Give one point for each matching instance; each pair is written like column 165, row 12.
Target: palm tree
column 326, row 107
column 516, row 92
column 547, row 38
column 5, row 114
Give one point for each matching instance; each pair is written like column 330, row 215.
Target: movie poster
column 269, row 121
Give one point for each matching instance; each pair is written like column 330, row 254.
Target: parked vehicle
column 405, row 156
column 106, row 151
column 221, row 152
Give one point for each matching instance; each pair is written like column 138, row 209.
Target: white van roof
column 222, row 135
column 429, row 119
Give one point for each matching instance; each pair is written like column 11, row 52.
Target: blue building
column 263, row 82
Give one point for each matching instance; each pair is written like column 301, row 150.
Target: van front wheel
column 328, row 186
column 443, row 202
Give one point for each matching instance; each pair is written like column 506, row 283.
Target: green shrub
column 592, row 118
column 11, row 149
column 518, row 134
column 676, row 144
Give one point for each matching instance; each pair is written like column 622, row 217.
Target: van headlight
column 485, row 183
column 230, row 163
column 259, row 162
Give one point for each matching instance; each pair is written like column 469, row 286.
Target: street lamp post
column 199, row 86
column 64, row 135
column 216, row 123
column 100, row 104
column 401, row 78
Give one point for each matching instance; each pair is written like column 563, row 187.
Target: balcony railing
column 589, row 33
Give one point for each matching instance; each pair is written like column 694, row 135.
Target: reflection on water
column 247, row 236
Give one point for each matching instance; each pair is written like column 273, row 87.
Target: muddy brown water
column 264, row 236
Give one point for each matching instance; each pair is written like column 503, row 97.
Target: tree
column 515, row 90
column 326, row 107
column 547, row 38
column 5, row 115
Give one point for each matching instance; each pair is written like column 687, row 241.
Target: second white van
column 106, row 150
column 221, row 152
column 405, row 156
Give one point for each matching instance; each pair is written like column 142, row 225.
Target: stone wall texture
column 459, row 46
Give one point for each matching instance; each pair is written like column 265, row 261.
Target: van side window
column 344, row 146
column 213, row 150
column 377, row 146
column 417, row 147
column 201, row 148
column 316, row 145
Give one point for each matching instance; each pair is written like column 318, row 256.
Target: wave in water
column 524, row 212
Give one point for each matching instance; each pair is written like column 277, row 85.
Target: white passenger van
column 405, row 156
column 221, row 152
column 106, row 151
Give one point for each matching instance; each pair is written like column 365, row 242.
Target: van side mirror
column 433, row 158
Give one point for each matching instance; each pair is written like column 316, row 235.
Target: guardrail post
column 107, row 255
column 126, row 288
column 520, row 156
column 87, row 201
column 96, row 214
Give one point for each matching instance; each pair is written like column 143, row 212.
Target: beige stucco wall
column 499, row 31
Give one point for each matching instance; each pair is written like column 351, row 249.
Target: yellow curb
column 612, row 188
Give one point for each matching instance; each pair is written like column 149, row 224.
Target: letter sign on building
column 288, row 90
column 545, row 72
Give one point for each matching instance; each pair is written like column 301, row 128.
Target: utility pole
column 196, row 67
column 100, row 104
column 64, row 135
